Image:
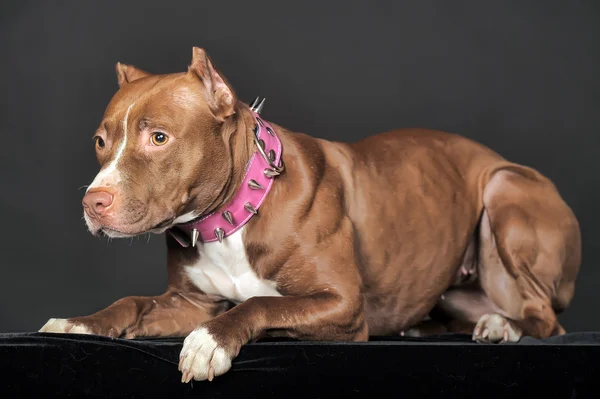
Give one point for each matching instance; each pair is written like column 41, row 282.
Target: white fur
column 110, row 175
column 187, row 217
column 223, row 270
column 496, row 328
column 200, row 352
column 63, row 326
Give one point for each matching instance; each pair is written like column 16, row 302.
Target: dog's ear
column 129, row 73
column 219, row 94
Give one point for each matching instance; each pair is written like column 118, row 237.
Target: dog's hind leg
column 529, row 256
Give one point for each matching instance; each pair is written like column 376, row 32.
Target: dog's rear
column 528, row 259
column 491, row 241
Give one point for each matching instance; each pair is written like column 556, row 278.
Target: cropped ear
column 219, row 94
column 129, row 73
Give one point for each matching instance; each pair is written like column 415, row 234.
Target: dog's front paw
column 64, row 326
column 202, row 358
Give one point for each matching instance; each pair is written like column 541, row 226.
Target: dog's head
column 164, row 154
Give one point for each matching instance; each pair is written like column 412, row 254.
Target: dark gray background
column 520, row 76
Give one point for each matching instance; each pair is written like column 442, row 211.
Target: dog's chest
column 223, row 270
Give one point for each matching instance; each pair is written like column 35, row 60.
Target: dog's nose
column 96, row 202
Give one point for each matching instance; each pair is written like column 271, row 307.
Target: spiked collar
column 259, row 176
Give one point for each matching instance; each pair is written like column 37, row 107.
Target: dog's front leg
column 171, row 314
column 325, row 315
column 328, row 306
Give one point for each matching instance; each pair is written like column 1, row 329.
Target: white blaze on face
column 110, row 175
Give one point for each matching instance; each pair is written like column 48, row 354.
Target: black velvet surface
column 69, row 365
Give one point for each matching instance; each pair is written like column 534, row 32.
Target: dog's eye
column 99, row 142
column 159, row 138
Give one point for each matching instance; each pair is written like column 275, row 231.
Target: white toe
column 496, row 328
column 63, row 326
column 200, row 354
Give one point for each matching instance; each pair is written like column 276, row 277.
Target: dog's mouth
column 158, row 228
column 115, row 228
column 165, row 224
column 114, row 233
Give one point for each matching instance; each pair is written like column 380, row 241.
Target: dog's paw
column 63, row 326
column 202, row 358
column 493, row 328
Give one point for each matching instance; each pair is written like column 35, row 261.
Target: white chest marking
column 223, row 270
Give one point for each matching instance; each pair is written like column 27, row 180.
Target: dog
column 275, row 233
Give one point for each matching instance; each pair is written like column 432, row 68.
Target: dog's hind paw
column 494, row 328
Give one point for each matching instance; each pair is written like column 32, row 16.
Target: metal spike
column 271, row 173
column 195, row 235
column 272, row 155
column 228, row 216
column 254, row 103
column 219, row 233
column 250, row 208
column 254, row 185
column 261, row 142
column 258, row 109
column 260, row 122
column 270, row 131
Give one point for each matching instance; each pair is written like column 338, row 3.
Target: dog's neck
column 244, row 194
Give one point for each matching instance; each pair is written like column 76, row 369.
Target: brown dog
column 342, row 241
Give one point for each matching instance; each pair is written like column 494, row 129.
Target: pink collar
column 260, row 171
